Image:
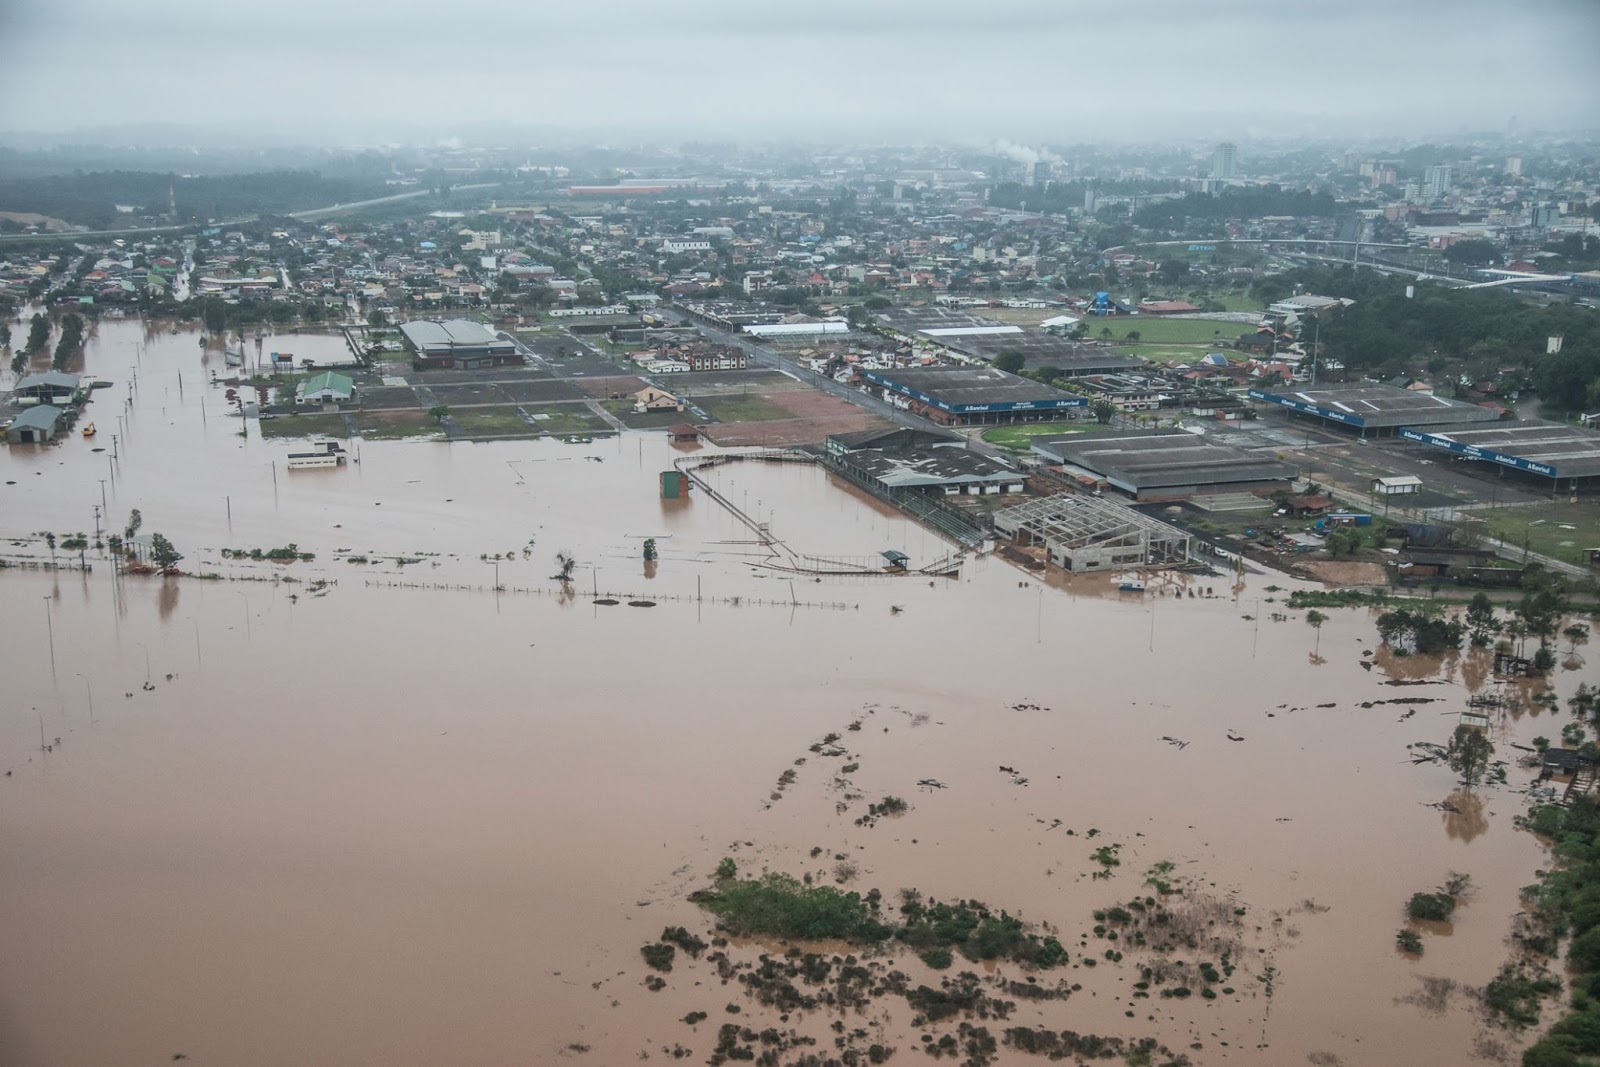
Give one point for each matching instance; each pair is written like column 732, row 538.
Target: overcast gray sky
column 1030, row 69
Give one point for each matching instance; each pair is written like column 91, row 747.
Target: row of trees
column 38, row 337
column 70, row 342
column 1540, row 614
column 1240, row 203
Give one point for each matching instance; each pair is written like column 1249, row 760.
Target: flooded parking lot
column 407, row 817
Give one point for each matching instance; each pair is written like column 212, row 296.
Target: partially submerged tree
column 1419, row 630
column 1481, row 621
column 1576, row 634
column 1469, row 754
column 1315, row 619
column 564, row 564
column 163, row 554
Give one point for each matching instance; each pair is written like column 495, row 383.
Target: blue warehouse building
column 972, row 395
column 1374, row 409
column 1567, row 455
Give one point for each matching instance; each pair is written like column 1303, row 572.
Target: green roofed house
column 329, row 387
column 35, row 426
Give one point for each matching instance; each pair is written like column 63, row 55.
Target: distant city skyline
column 1031, row 70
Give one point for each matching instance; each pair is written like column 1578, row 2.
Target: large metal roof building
column 456, row 343
column 1551, row 449
column 1165, row 463
column 1374, row 407
column 972, row 394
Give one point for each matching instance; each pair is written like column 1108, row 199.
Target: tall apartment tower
column 1437, row 181
column 1224, row 161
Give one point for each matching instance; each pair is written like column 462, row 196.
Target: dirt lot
column 383, row 397
column 1346, row 572
column 780, row 432
column 796, row 416
column 737, row 382
column 539, row 392
column 462, row 395
column 605, row 388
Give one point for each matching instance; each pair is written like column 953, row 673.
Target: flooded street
column 404, row 818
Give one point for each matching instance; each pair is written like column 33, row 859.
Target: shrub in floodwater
column 1434, row 907
column 682, row 938
column 937, row 958
column 659, row 956
column 727, row 869
column 1409, row 941
column 1515, row 995
column 780, row 905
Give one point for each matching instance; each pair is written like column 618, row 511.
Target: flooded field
column 406, row 817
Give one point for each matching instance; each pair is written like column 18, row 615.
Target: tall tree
column 1315, row 619
column 38, row 334
column 163, row 554
column 1481, row 621
column 1469, row 754
column 1009, row 360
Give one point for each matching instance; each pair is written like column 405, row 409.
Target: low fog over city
column 896, row 70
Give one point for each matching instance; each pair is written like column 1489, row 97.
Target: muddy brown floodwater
column 402, row 818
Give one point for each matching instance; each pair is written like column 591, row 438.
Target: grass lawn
column 1156, row 330
column 396, row 425
column 623, row 410
column 742, row 408
column 1238, row 302
column 1019, row 437
column 493, row 422
column 304, row 426
column 564, row 419
column 1542, row 526
column 1021, row 316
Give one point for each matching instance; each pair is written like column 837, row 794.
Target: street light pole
column 90, row 690
column 146, row 648
column 50, row 628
